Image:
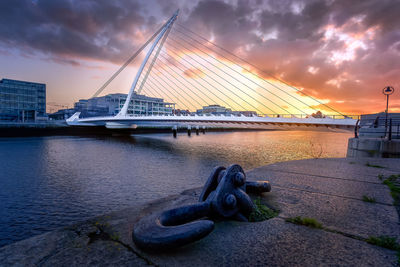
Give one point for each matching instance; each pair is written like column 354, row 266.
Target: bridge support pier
column 174, row 131
column 204, row 129
column 189, row 130
column 197, row 130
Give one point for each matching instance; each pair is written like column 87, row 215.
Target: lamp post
column 388, row 90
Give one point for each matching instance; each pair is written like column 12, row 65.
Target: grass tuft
column 394, row 185
column 261, row 212
column 384, row 241
column 368, row 199
column 310, row 222
column 374, row 166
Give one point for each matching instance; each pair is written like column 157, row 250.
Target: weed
column 310, row 222
column 115, row 237
column 394, row 186
column 384, row 241
column 380, row 176
column 368, row 199
column 261, row 212
column 398, row 258
column 374, row 166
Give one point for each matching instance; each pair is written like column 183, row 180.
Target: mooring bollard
column 189, row 128
column 174, row 131
column 197, row 130
column 224, row 196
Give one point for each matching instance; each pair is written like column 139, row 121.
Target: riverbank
column 346, row 196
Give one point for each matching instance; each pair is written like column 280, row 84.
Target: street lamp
column 388, row 90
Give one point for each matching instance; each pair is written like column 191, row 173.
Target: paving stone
column 345, row 215
column 325, row 185
column 274, row 243
column 346, row 168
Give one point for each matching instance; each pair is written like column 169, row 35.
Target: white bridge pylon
column 123, row 120
column 168, row 25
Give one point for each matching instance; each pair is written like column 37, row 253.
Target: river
column 50, row 182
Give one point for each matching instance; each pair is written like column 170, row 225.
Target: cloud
column 355, row 47
column 332, row 49
column 98, row 30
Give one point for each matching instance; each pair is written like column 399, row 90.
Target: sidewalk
column 331, row 191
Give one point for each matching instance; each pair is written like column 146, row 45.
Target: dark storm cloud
column 84, row 29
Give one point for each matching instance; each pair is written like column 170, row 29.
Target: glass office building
column 22, row 101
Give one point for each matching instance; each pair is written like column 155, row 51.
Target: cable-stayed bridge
column 185, row 68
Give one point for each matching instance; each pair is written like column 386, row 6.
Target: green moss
column 368, row 199
column 380, row 176
column 310, row 222
column 398, row 258
column 394, row 185
column 384, row 241
column 374, row 166
column 115, row 236
column 261, row 212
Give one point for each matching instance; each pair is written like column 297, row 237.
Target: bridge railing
column 301, row 116
column 305, row 116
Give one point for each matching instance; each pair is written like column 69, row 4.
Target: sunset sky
column 341, row 52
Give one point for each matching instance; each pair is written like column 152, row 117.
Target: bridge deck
column 206, row 121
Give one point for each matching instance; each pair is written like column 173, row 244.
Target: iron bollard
column 174, row 131
column 223, row 197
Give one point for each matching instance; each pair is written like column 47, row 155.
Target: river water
column 50, row 182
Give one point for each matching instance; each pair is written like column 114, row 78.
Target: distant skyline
column 341, row 52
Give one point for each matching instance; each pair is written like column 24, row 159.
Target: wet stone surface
column 327, row 190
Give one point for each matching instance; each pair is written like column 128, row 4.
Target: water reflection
column 49, row 182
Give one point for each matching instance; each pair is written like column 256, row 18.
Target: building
column 220, row 110
column 214, row 110
column 111, row 104
column 22, row 101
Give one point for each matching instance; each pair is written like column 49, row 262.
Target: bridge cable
column 257, row 83
column 166, row 71
column 144, row 79
column 254, row 66
column 252, row 74
column 154, row 92
column 258, row 101
column 179, row 101
column 226, row 103
column 171, row 63
column 182, row 83
column 155, row 82
column 206, row 102
column 220, row 84
column 154, row 59
column 240, row 75
column 130, row 59
column 173, row 88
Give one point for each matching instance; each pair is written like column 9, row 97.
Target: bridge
column 187, row 69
